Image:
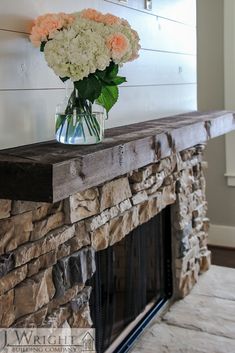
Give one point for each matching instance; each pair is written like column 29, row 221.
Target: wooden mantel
column 51, row 171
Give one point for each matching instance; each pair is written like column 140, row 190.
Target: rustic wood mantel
column 51, row 171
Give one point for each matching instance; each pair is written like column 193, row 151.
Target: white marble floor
column 203, row 322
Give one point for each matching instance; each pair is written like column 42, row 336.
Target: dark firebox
column 130, row 275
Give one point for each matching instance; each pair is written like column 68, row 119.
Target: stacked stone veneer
column 47, row 250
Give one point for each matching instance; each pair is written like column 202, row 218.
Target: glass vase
column 78, row 122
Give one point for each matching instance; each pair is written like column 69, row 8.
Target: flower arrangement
column 88, row 48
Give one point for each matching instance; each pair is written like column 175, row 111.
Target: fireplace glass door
column 131, row 275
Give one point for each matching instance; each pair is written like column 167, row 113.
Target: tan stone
column 5, row 208
column 186, row 284
column 7, row 315
column 81, row 238
column 43, row 227
column 81, row 205
column 30, row 251
column 187, row 154
column 123, row 225
column 206, row 224
column 114, row 192
column 56, row 207
column 139, row 197
column 205, row 261
column 142, row 174
column 42, row 262
column 97, row 221
column 168, row 195
column 33, row 320
column 150, row 208
column 12, row 279
column 33, row 293
column 167, row 164
column 15, row 231
column 41, row 212
column 19, row 207
column 100, row 237
column 144, row 185
column 82, row 318
column 66, row 298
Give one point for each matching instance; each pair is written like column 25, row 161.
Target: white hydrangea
column 79, row 50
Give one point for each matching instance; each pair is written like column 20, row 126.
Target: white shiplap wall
column 161, row 82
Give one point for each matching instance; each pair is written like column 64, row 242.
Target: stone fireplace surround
column 47, row 248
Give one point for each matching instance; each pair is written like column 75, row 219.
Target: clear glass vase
column 78, row 122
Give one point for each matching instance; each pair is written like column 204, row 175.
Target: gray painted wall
column 211, row 96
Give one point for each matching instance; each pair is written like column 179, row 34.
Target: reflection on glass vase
column 78, row 122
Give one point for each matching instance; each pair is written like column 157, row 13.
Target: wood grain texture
column 62, row 170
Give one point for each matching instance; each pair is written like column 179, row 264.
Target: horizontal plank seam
column 128, row 86
column 152, row 14
column 144, row 49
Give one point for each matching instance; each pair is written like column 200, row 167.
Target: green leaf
column 63, row 79
column 89, row 88
column 42, row 46
column 119, row 80
column 108, row 97
column 108, row 74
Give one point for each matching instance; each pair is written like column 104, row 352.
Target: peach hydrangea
column 92, row 14
column 118, row 45
column 46, row 26
column 78, row 44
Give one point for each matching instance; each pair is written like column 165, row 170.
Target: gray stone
column 73, row 269
column 162, row 338
column 218, row 282
column 56, row 318
column 81, row 299
column 208, row 314
column 7, row 263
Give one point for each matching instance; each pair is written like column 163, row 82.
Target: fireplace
column 132, row 276
column 105, row 230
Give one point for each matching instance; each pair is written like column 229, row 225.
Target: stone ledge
column 51, row 171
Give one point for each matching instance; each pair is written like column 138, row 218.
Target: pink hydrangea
column 45, row 26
